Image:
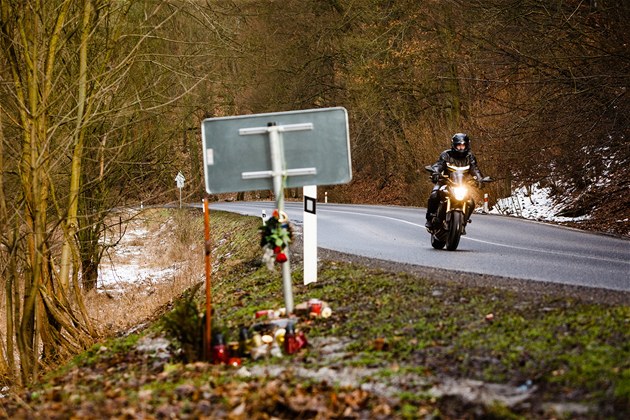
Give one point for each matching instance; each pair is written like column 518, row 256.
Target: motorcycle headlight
column 460, row 193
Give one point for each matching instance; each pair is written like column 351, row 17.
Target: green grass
column 561, row 344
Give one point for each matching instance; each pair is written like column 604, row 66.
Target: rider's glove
column 435, row 177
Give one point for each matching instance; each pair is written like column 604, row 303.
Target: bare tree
column 89, row 87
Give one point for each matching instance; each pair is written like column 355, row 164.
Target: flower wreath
column 275, row 235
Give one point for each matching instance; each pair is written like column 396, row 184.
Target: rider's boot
column 469, row 213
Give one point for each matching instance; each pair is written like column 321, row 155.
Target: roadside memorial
column 272, row 334
column 276, row 235
column 276, row 151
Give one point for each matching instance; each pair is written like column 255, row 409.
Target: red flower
column 277, row 250
column 281, row 257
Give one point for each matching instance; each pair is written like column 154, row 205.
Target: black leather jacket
column 448, row 156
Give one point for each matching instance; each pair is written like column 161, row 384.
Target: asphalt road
column 494, row 245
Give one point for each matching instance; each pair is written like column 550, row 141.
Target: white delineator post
column 309, row 234
column 485, row 202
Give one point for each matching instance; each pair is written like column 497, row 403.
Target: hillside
column 604, row 208
column 397, row 345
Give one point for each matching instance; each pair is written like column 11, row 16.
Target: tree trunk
column 32, row 64
column 71, row 223
column 6, row 363
column 89, row 274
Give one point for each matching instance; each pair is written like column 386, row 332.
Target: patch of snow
column 157, row 347
column 370, row 379
column 567, row 409
column 470, row 390
column 535, row 203
column 127, row 263
column 115, row 278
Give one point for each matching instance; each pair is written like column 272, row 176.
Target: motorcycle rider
column 459, row 155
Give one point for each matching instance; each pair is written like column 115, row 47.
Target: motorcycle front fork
column 466, row 210
column 444, row 215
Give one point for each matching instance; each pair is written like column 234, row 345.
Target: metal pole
column 277, row 166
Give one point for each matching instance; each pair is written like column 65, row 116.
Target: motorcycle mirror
column 428, row 168
column 487, row 179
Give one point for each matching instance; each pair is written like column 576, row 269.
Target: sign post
column 251, row 152
column 278, row 173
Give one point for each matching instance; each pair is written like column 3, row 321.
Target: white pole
column 310, row 234
column 485, row 202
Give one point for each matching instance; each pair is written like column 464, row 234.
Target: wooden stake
column 207, row 348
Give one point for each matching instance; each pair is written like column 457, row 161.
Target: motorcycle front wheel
column 436, row 243
column 454, row 231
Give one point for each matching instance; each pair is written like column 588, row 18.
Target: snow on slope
column 536, row 204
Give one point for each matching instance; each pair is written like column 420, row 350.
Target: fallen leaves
column 197, row 390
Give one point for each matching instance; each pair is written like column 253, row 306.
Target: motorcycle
column 456, row 206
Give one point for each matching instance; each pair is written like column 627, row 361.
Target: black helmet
column 460, row 138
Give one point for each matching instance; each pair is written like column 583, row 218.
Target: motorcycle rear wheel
column 455, row 230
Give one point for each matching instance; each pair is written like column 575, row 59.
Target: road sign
column 314, row 145
column 179, row 179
